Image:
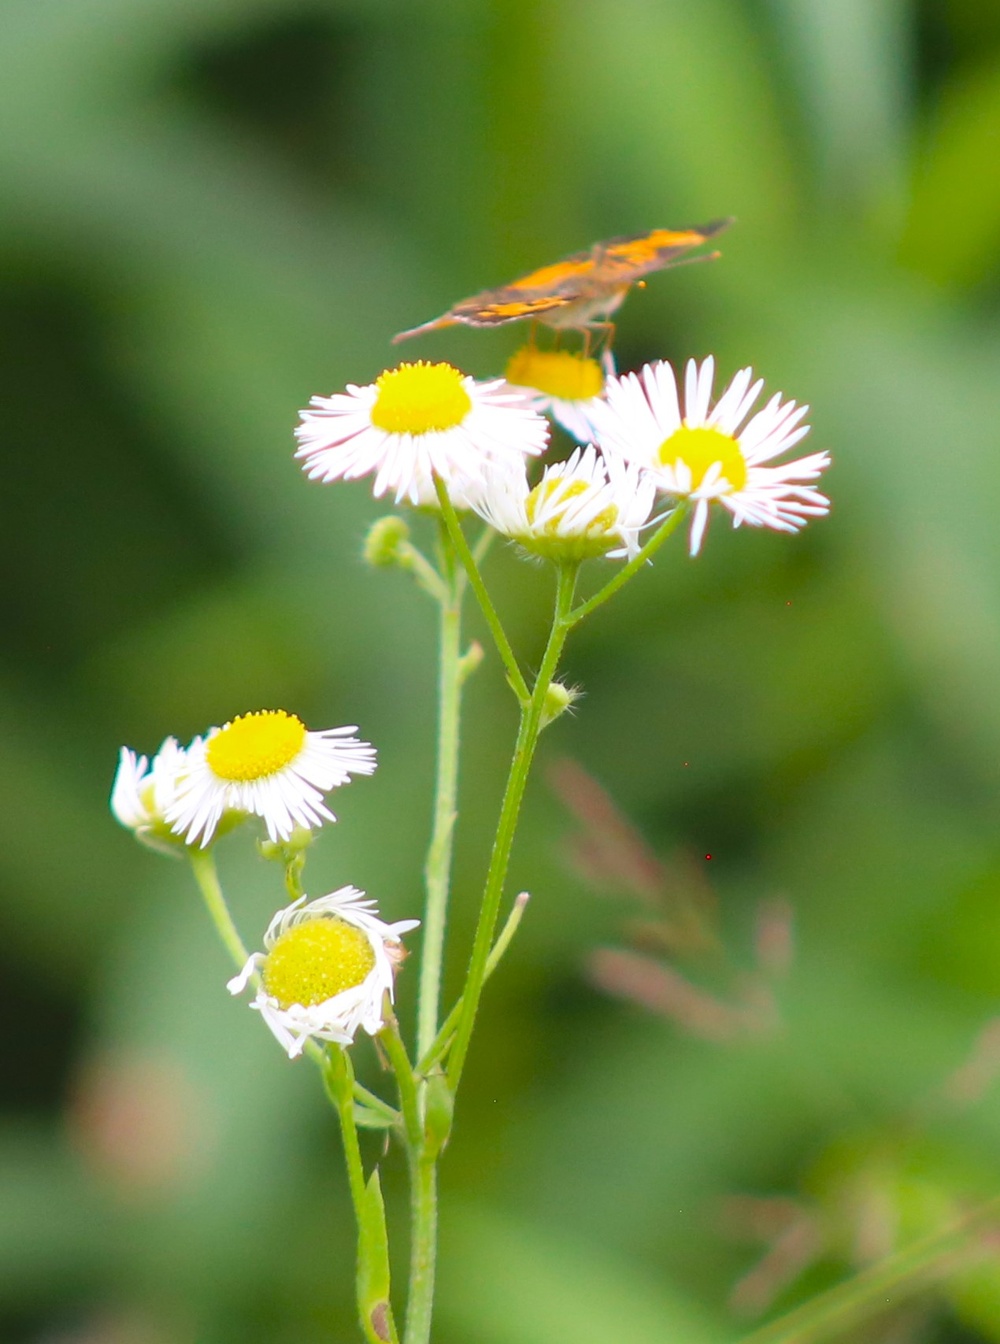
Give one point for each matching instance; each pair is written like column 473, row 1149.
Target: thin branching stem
column 524, row 750
column 479, row 588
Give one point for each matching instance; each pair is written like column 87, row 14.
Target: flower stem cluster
column 655, row 451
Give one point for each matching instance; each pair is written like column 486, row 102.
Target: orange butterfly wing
column 583, row 278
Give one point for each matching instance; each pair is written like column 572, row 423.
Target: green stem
column 479, row 588
column 846, row 1305
column 417, row 564
column 423, row 1248
column 444, row 1037
column 634, row 565
column 524, row 750
column 437, row 868
column 375, row 1103
column 338, row 1074
column 207, row 876
column 405, row 1081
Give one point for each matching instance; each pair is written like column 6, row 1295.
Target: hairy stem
column 437, row 867
column 423, row 1248
column 207, row 876
column 446, row 1034
column 479, row 588
column 338, row 1075
column 524, row 750
column 634, row 565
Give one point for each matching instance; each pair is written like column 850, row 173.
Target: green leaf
column 365, row 1118
column 373, row 1265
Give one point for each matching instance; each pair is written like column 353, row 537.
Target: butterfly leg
column 606, row 339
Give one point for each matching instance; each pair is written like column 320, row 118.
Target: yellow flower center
column 557, row 494
column 254, row 746
column 315, row 960
column 546, row 508
column 557, row 373
column 420, row 398
column 700, row 449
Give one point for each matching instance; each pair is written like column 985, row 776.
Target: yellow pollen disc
column 254, row 746
column 557, row 373
column 700, row 449
column 556, row 495
column 315, row 960
column 420, row 398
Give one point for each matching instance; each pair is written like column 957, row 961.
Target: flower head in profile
column 694, row 450
column 144, row 790
column 269, row 765
column 587, row 506
column 328, row 967
column 414, row 422
column 562, row 384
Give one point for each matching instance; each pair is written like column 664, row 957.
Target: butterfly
column 581, row 291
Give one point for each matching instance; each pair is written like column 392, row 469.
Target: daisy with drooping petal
column 412, row 422
column 269, row 765
column 328, row 966
column 144, row 790
column 707, row 453
column 562, row 384
column 588, row 505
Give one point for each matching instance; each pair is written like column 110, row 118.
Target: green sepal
column 286, row 851
column 373, row 1266
column 438, row 1112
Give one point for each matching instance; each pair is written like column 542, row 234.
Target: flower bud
column 558, row 698
column 384, row 540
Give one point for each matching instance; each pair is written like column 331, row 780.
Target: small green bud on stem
column 558, row 698
column 384, row 543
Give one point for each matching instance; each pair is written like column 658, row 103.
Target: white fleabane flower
column 412, row 422
column 328, row 966
column 587, row 506
column 707, row 453
column 144, row 790
column 562, row 384
column 269, row 765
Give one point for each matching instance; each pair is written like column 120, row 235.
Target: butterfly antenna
column 690, row 261
column 444, row 321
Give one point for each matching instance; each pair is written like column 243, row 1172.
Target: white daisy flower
column 144, row 790
column 588, row 505
column 328, row 966
column 269, row 765
column 414, row 421
column 562, row 384
column 703, row 453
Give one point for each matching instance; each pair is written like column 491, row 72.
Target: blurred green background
column 209, row 211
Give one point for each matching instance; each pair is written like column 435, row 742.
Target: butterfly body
column 583, row 289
